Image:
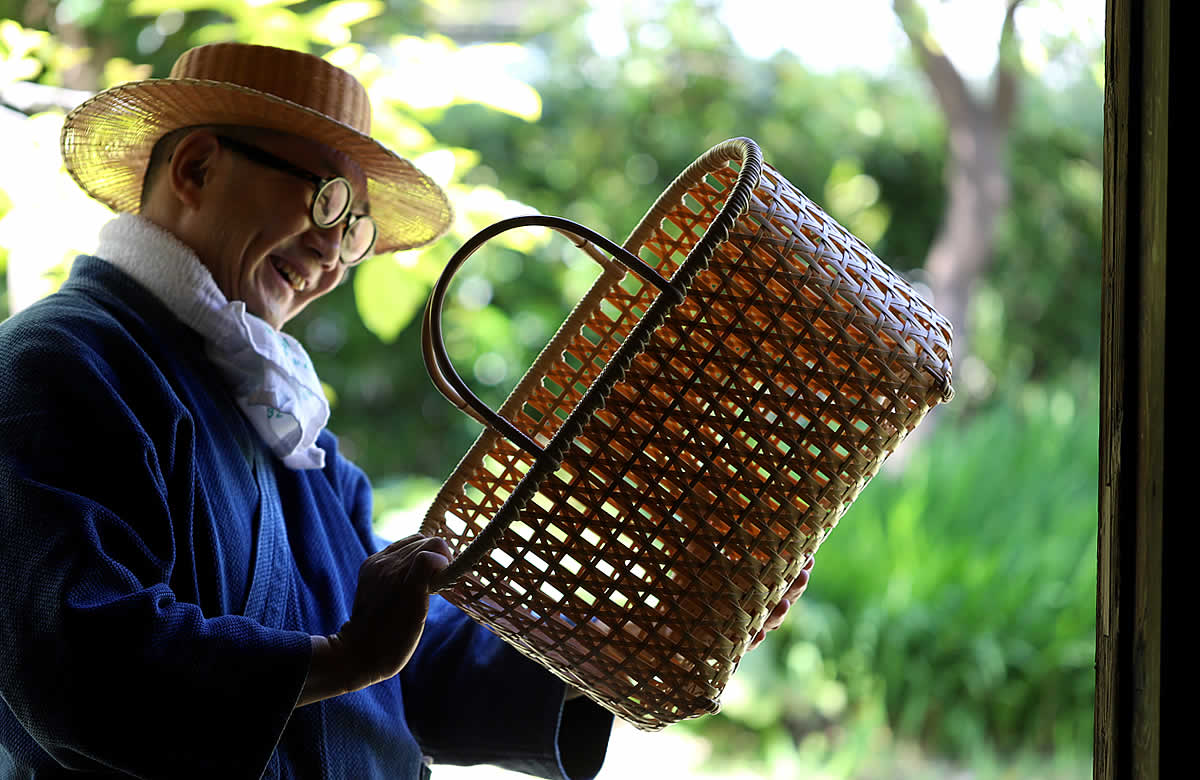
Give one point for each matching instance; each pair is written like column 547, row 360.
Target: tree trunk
column 977, row 181
column 978, row 191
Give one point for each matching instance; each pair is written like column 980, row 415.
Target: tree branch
column 30, row 98
column 1008, row 69
column 948, row 84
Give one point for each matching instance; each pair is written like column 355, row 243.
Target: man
column 189, row 583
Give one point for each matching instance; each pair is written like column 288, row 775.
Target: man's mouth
column 295, row 280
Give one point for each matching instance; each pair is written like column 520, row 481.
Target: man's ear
column 190, row 169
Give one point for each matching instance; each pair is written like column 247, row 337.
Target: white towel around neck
column 268, row 371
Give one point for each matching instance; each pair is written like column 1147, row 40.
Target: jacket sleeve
column 104, row 666
column 469, row 698
column 472, row 699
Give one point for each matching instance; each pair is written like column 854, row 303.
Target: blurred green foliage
column 954, row 607
column 958, row 596
column 605, row 137
column 615, row 131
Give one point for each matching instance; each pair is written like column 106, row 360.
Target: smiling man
column 279, row 267
column 189, row 582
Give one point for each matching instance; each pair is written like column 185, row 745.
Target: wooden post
column 1137, row 568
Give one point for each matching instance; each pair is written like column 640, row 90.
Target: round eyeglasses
column 330, row 205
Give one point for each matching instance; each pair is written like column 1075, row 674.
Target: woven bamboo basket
column 643, row 499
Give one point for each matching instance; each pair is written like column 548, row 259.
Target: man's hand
column 794, row 592
column 390, row 604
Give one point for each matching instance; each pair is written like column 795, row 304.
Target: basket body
column 639, row 567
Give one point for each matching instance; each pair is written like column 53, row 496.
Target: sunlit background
column 949, row 628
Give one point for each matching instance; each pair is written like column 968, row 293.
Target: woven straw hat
column 106, row 141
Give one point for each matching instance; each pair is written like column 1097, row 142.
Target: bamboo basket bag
column 644, row 497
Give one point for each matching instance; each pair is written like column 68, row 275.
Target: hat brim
column 106, row 145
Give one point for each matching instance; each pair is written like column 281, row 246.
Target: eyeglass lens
column 330, row 206
column 331, row 203
column 358, row 239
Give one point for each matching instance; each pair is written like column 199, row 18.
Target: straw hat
column 106, row 141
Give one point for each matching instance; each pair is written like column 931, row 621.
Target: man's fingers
column 424, row 566
column 441, row 547
column 775, row 619
column 400, row 544
column 779, row 612
column 429, row 546
column 410, row 562
column 796, row 589
column 401, row 550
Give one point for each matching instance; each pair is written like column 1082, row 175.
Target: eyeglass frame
column 263, row 157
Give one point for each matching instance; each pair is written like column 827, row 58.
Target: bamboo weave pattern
column 644, row 565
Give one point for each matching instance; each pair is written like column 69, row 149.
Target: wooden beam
column 1133, row 561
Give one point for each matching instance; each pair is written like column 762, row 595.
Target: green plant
column 959, row 593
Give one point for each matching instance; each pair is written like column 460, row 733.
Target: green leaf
column 388, row 296
column 233, row 8
column 330, row 23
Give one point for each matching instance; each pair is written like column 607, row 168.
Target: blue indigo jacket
column 160, row 575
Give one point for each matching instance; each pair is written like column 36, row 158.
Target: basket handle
column 433, row 347
column 743, row 150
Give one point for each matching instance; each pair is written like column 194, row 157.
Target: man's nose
column 326, row 243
